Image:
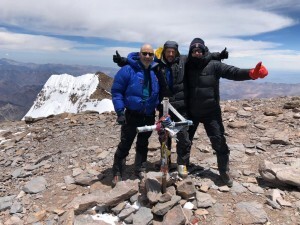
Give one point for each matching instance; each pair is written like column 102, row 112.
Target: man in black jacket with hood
column 202, row 76
column 170, row 75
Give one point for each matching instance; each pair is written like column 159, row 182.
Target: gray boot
column 118, row 166
column 116, row 178
column 223, row 166
column 140, row 173
column 140, row 165
column 226, row 178
column 118, row 170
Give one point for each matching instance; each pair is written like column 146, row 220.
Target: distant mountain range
column 37, row 74
column 20, row 84
column 255, row 89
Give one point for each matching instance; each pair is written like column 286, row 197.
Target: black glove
column 121, row 61
column 224, row 54
column 121, row 118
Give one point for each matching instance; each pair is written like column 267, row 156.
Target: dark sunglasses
column 147, row 53
column 196, row 50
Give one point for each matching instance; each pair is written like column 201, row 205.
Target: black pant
column 214, row 128
column 128, row 133
column 183, row 147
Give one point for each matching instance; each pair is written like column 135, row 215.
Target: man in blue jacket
column 135, row 95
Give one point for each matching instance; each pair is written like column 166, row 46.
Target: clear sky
column 89, row 32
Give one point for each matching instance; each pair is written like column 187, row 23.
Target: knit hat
column 171, row 44
column 197, row 43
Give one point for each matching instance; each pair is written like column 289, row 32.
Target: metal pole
column 164, row 147
column 165, row 103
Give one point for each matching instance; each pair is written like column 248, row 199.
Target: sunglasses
column 147, row 53
column 197, row 50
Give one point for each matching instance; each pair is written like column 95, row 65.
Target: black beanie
column 197, row 43
column 171, row 44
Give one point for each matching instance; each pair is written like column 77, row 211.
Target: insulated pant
column 183, row 147
column 215, row 131
column 128, row 133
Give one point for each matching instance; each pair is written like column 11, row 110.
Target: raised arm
column 220, row 55
column 121, row 61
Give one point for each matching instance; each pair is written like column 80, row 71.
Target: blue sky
column 88, row 32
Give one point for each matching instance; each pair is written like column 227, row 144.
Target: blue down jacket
column 127, row 88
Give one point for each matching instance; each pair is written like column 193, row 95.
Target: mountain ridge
column 21, row 82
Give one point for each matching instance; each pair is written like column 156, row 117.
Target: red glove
column 258, row 72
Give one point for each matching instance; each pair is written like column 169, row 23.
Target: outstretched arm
column 237, row 74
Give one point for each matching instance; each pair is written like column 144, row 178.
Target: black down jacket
column 202, row 79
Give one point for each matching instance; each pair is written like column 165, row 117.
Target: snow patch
column 66, row 93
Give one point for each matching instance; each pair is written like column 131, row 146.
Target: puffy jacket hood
column 159, row 53
column 175, row 60
column 133, row 59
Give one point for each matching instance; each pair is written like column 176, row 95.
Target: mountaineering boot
column 223, row 166
column 140, row 172
column 118, row 170
column 225, row 177
column 117, row 178
column 182, row 171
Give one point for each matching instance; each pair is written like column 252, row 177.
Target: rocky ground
column 57, row 170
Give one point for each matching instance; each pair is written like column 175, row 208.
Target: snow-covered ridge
column 66, row 93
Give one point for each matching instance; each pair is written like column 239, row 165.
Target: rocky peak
column 65, row 93
column 57, row 170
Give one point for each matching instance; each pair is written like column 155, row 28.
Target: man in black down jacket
column 202, row 76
